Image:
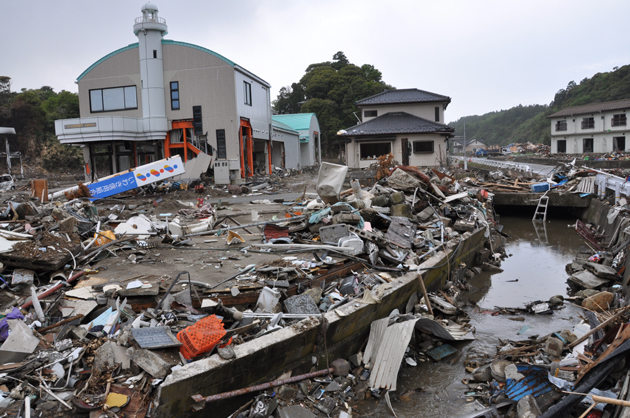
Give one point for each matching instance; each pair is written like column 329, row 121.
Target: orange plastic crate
column 201, row 337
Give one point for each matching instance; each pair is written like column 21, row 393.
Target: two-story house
column 157, row 98
column 593, row 128
column 409, row 123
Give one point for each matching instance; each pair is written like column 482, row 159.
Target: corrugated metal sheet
column 587, row 185
column 534, row 383
column 390, row 354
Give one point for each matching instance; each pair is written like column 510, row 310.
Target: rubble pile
column 73, row 343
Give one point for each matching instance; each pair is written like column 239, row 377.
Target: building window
column 619, row 120
column 117, row 98
column 561, row 125
column 587, row 145
column 437, row 113
column 155, row 53
column 221, row 149
column 619, row 143
column 422, row 147
column 248, row 93
column 174, row 95
column 370, row 113
column 562, row 146
column 588, row 123
column 371, row 151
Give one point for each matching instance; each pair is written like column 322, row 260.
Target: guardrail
column 142, row 19
column 498, row 164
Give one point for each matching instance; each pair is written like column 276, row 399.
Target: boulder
column 599, row 302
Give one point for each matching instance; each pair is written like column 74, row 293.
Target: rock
column 402, row 209
column 600, row 270
column 286, row 392
column 424, row 216
column 497, row 369
column 556, row 301
column 401, row 180
column 527, row 407
column 398, row 197
column 333, row 387
column 226, row 352
column 511, row 372
column 356, row 359
column 491, row 268
column 357, row 204
column 482, row 374
column 104, row 357
column 554, row 347
column 381, row 201
column 301, row 304
column 315, row 293
column 150, row 362
column 77, row 333
column 599, row 302
column 341, row 366
column 235, row 189
column 295, row 411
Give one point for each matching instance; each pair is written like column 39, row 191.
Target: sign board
column 81, row 125
column 137, row 177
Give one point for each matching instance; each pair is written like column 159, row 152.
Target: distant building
column 472, row 145
column 158, row 97
column 308, row 127
column 593, row 128
column 409, row 123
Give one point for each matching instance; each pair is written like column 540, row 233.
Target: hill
column 530, row 124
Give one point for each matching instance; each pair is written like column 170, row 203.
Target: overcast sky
column 485, row 55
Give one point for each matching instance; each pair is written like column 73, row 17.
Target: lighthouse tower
column 149, row 28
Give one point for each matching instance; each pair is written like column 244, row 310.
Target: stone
column 599, row 302
column 295, row 411
column 286, row 392
column 482, row 374
column 357, row 204
column 511, row 372
column 77, row 333
column 341, row 366
column 425, row 215
column 104, row 356
column 333, row 387
column 398, row 197
column 120, row 356
column 301, row 304
column 226, row 352
column 150, row 362
column 235, row 189
column 356, row 359
column 491, row 268
column 497, row 368
column 554, row 347
column 556, row 301
column 402, row 209
column 315, row 293
column 401, row 180
column 19, row 344
column 527, row 407
column 600, row 270
column 381, row 201
column 326, row 405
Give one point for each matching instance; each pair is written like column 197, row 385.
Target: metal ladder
column 541, row 209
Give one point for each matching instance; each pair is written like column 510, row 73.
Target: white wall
column 353, row 152
column 291, row 149
column 602, row 134
column 259, row 113
column 423, row 110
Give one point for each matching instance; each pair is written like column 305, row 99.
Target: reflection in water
column 538, row 262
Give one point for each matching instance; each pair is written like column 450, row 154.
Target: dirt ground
column 208, row 258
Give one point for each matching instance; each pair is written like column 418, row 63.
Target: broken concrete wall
column 293, row 348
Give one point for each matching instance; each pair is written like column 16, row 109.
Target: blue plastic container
column 540, row 187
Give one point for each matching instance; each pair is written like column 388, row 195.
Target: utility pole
column 465, row 160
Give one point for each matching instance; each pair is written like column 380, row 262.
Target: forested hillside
column 530, row 123
column 33, row 113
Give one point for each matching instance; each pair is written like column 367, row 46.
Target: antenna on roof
column 355, row 115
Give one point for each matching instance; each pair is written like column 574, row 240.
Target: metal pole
column 199, row 398
column 6, row 139
column 293, row 218
column 465, row 160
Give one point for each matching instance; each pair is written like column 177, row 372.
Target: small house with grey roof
column 409, row 123
column 592, row 128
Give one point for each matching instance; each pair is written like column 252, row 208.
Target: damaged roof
column 403, row 96
column 397, row 123
column 592, row 108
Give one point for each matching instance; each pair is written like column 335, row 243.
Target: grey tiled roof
column 397, row 123
column 592, row 108
column 403, row 96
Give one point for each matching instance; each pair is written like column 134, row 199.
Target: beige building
column 592, row 128
column 158, row 97
column 409, row 123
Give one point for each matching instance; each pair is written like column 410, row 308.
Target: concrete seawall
column 600, row 164
column 293, row 348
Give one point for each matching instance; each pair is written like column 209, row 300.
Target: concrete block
column 381, row 201
column 295, row 411
column 554, row 347
column 301, row 304
column 425, row 214
column 600, row 270
column 150, row 362
column 20, row 344
column 527, row 407
column 402, row 209
column 398, row 197
column 104, row 356
column 599, row 302
column 286, row 392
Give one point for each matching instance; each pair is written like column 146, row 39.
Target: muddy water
column 535, row 271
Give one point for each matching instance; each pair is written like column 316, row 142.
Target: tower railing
column 143, row 19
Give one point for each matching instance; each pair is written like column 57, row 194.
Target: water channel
column 538, row 263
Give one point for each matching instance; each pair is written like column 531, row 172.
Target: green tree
column 330, row 90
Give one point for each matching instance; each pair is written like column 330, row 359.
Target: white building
column 593, row 128
column 158, row 97
column 308, row 127
column 409, row 123
column 285, row 146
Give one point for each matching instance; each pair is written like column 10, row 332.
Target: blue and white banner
column 137, row 177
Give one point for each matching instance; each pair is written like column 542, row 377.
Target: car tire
column 12, row 187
